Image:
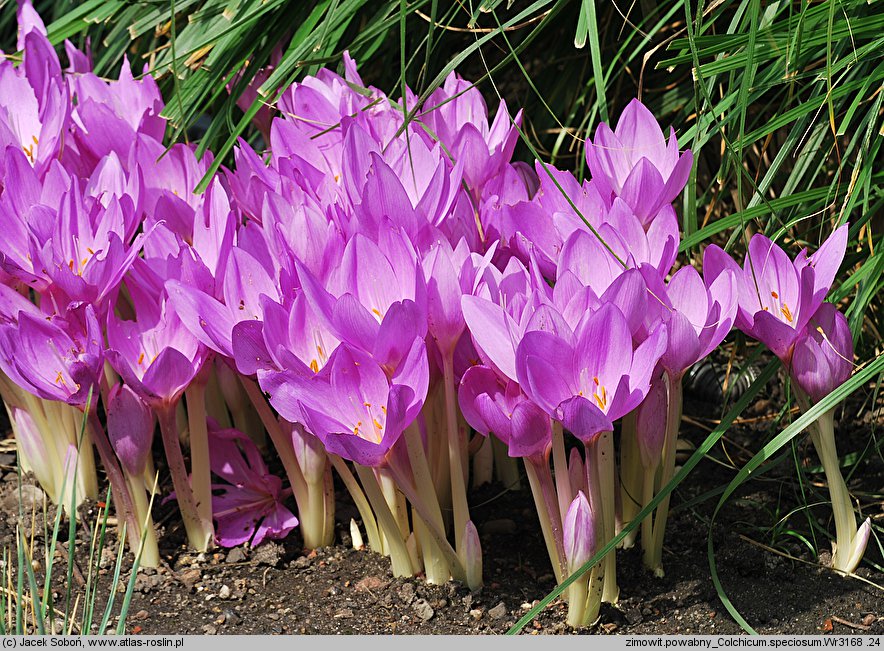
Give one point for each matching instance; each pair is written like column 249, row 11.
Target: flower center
column 600, row 394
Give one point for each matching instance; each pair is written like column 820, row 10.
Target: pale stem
column 395, row 499
column 606, row 469
column 405, row 484
column 150, row 553
column 540, row 481
column 823, row 437
column 216, row 406
column 200, row 463
column 198, row 532
column 455, row 454
column 483, row 463
column 398, row 552
column 631, row 478
column 87, row 478
column 362, row 505
column 578, row 593
column 564, row 491
column 435, row 564
column 654, row 559
column 596, row 505
column 648, row 522
column 125, row 506
column 316, row 518
column 506, row 467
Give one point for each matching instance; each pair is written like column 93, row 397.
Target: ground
column 773, row 580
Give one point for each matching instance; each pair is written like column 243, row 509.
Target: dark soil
column 773, row 579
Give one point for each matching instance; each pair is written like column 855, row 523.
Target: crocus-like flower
column 249, row 506
column 457, row 115
column 157, row 360
column 778, row 297
column 56, row 358
column 635, row 163
column 350, row 404
column 823, row 357
column 492, row 405
column 591, row 379
column 130, row 427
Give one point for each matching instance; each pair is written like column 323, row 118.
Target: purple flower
column 351, row 405
column 36, row 106
column 579, row 532
column 778, row 297
column 249, row 506
column 823, row 356
column 56, row 358
column 157, row 358
column 457, row 115
column 634, row 162
column 592, row 378
column 376, row 299
column 491, row 404
column 130, row 427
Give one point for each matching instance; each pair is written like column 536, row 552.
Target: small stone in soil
column 190, row 578
column 237, row 555
column 370, row 583
column 406, row 593
column 224, row 592
column 498, row 612
column 423, row 609
column 869, row 619
column 476, row 613
column 141, row 615
column 268, row 553
column 208, row 629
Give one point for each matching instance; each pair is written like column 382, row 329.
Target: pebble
column 268, row 553
column 224, row 592
column 208, row 629
column 498, row 612
column 476, row 613
column 141, row 615
column 869, row 619
column 237, row 555
column 190, row 578
column 423, row 610
column 370, row 583
column 344, row 613
column 406, row 593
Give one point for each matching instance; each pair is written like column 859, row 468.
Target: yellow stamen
column 141, row 358
column 786, row 312
column 314, row 366
column 377, row 312
column 774, row 294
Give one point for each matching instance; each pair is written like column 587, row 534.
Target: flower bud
column 130, row 426
column 579, row 532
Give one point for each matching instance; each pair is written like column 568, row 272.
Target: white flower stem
column 362, row 505
column 199, row 533
column 455, row 455
column 150, row 554
column 596, row 505
column 606, row 470
column 435, row 564
column 540, row 480
column 388, row 526
column 632, row 475
column 200, row 464
column 822, row 433
column 564, row 490
column 653, row 554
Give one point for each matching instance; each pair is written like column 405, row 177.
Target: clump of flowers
column 396, row 302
